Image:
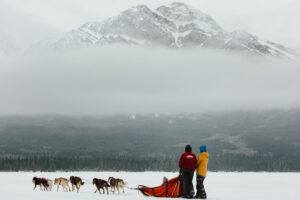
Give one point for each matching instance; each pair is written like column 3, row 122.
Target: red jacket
column 188, row 160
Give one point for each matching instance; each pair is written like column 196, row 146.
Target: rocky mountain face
column 176, row 26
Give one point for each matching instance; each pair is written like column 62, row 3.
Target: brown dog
column 76, row 181
column 42, row 182
column 116, row 183
column 63, row 182
column 49, row 182
column 101, row 184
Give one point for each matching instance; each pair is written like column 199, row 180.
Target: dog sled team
column 46, row 184
column 181, row 186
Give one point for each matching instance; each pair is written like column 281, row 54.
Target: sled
column 172, row 188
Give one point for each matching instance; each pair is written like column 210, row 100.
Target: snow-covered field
column 232, row 186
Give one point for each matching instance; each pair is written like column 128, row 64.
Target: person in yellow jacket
column 202, row 162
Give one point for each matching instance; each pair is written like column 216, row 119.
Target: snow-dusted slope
column 176, row 25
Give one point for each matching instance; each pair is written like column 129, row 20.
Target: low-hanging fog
column 124, row 80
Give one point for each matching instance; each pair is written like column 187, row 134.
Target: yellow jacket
column 202, row 163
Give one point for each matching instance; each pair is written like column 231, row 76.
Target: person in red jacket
column 187, row 164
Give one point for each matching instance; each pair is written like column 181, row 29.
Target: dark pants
column 200, row 187
column 187, row 178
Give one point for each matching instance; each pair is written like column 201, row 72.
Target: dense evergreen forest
column 237, row 141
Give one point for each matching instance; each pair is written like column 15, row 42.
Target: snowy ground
column 232, row 186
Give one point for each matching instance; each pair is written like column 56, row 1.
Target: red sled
column 172, row 188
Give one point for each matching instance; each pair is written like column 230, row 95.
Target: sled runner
column 172, row 188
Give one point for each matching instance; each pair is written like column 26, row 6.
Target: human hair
column 188, row 148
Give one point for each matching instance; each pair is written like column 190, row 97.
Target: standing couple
column 188, row 163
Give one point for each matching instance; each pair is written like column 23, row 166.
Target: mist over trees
column 237, row 141
column 262, row 136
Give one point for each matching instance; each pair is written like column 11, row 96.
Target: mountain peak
column 177, row 11
column 184, row 14
column 176, row 25
column 138, row 8
column 180, row 5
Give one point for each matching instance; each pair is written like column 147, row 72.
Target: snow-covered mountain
column 176, row 25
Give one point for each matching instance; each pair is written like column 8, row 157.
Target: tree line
column 122, row 163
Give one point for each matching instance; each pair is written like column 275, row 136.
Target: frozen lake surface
column 219, row 185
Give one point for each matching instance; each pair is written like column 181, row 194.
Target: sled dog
column 41, row 182
column 76, row 182
column 101, row 184
column 116, row 183
column 63, row 182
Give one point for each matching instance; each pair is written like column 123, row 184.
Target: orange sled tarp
column 173, row 188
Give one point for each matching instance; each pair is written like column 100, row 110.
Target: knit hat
column 202, row 148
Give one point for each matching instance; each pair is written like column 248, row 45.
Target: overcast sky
column 27, row 21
